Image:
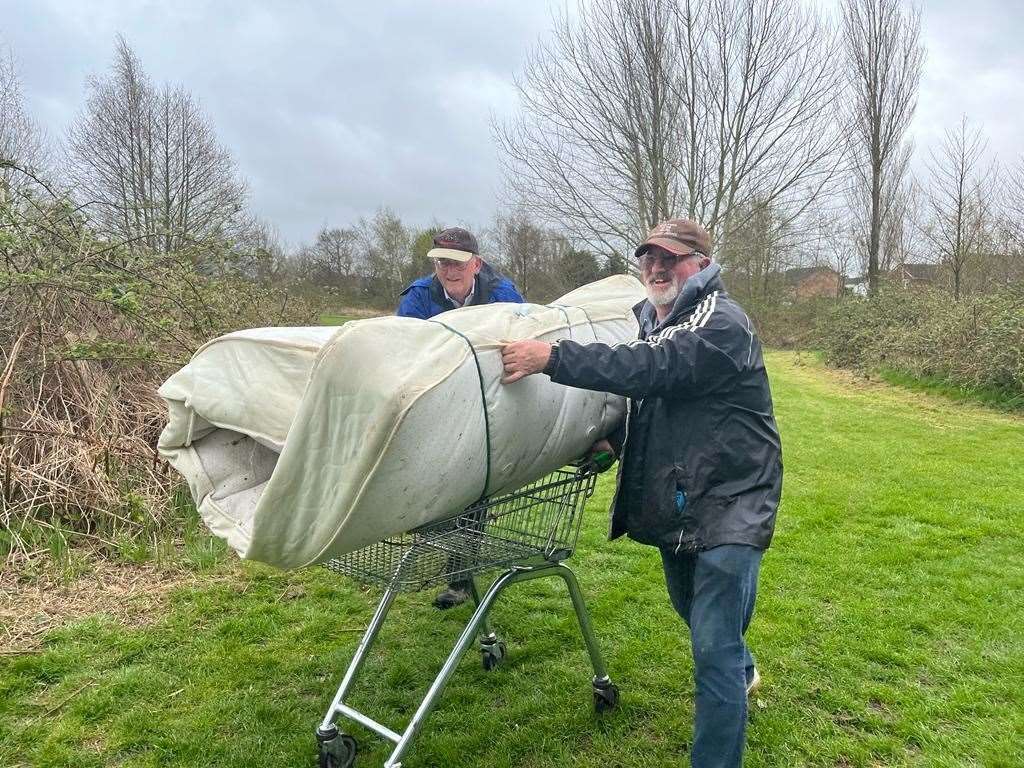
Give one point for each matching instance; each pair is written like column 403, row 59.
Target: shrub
column 88, row 331
column 787, row 324
column 974, row 343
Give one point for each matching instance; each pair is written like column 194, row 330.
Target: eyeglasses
column 458, row 266
column 668, row 260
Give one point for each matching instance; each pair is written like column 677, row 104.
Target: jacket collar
column 487, row 280
column 693, row 292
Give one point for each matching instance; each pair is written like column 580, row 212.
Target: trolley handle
column 595, row 463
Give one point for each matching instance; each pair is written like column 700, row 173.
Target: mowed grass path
column 889, row 630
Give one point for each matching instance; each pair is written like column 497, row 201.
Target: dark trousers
column 714, row 592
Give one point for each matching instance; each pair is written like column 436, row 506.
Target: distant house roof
column 797, row 275
column 923, row 272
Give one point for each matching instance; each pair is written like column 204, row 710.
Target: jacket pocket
column 668, row 500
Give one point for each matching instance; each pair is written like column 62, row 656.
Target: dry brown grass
column 88, row 331
column 131, row 595
column 77, row 449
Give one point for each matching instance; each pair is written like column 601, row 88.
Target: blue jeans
column 714, row 592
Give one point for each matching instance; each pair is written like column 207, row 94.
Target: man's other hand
column 522, row 358
column 602, row 446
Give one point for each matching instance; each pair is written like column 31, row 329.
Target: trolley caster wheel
column 492, row 654
column 606, row 697
column 337, row 750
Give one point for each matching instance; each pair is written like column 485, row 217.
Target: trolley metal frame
column 529, row 533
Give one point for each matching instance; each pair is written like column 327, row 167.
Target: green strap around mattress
column 483, row 398
column 565, row 314
column 568, row 322
column 564, row 310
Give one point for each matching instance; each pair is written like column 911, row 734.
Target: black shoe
column 456, row 594
column 754, row 682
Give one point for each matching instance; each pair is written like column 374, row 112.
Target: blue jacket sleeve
column 690, row 360
column 506, row 291
column 415, row 302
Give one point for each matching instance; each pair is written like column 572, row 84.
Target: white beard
column 659, row 296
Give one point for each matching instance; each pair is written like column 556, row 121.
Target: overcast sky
column 332, row 109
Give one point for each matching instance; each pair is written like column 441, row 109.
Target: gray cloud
column 329, row 109
column 332, row 109
column 974, row 67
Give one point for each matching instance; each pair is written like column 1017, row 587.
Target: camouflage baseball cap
column 678, row 236
column 454, row 243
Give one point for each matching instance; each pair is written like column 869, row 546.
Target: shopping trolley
column 529, row 533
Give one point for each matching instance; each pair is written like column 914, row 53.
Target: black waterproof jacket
column 700, row 457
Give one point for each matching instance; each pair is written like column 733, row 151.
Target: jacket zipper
column 618, row 475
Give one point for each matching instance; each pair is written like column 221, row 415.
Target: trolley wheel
column 606, row 697
column 337, row 750
column 492, row 654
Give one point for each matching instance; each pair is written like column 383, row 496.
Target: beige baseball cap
column 454, row 243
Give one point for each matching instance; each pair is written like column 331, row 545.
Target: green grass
column 328, row 319
column 888, row 630
column 352, row 313
column 936, row 385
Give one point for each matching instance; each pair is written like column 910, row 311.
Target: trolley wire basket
column 529, row 533
column 539, row 522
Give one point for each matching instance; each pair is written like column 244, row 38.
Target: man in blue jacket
column 461, row 279
column 700, row 473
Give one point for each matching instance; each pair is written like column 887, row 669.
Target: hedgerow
column 974, row 343
column 88, row 331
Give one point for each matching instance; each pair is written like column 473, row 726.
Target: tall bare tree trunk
column 884, row 60
column 875, row 233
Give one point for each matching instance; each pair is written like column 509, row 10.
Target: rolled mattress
column 302, row 444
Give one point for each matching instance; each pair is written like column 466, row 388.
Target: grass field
column 889, row 630
column 343, row 315
column 329, row 319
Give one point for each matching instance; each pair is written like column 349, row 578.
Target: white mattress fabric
column 302, row 444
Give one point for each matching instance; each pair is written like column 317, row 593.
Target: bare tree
column 257, row 252
column 755, row 253
column 896, row 206
column 760, row 95
column 22, row 143
column 844, row 256
column 333, row 259
column 148, row 162
column 1015, row 194
column 638, row 110
column 885, row 58
column 520, row 244
column 387, row 252
column 898, row 231
column 958, row 201
column 1009, row 266
column 1001, row 265
column 596, row 146
column 827, row 244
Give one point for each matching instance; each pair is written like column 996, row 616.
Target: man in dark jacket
column 700, row 473
column 461, row 279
